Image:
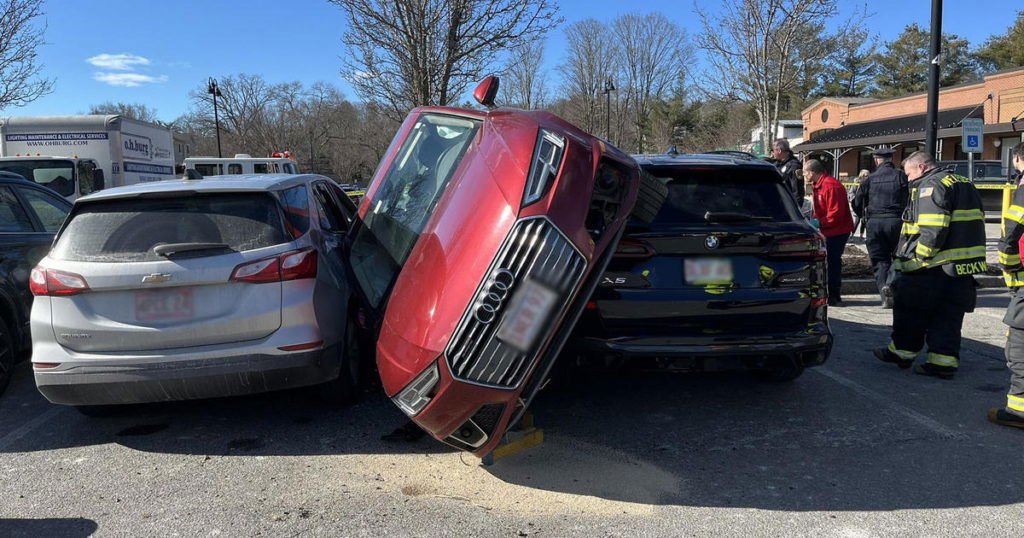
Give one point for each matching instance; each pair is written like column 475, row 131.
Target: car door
column 333, row 223
column 29, row 218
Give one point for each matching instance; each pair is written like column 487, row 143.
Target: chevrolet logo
column 156, row 278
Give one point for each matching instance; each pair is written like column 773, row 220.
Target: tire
column 649, row 198
column 7, row 357
column 345, row 389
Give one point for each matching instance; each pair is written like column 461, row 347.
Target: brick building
column 842, row 132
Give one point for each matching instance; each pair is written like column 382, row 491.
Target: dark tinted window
column 295, row 203
column 209, row 169
column 331, row 217
column 693, row 192
column 12, row 216
column 51, row 210
column 234, row 168
column 127, row 230
column 345, row 203
column 259, row 168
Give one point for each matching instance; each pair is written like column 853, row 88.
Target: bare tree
column 407, row 53
column 757, row 49
column 326, row 133
column 135, row 111
column 20, row 35
column 653, row 55
column 524, row 82
column 589, row 65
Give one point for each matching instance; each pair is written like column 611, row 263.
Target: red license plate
column 163, row 305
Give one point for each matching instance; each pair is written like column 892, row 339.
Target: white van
column 242, row 164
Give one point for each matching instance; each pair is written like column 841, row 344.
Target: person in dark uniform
column 1013, row 273
column 941, row 246
column 880, row 200
column 788, row 166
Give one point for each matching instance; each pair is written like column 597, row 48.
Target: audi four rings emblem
column 494, row 296
column 711, row 241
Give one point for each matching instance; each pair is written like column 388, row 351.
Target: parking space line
column 27, row 427
column 928, row 423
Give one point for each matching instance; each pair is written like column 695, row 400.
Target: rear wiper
column 170, row 249
column 731, row 216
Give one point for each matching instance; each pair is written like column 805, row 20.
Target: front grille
column 535, row 250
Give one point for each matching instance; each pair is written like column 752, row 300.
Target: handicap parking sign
column 972, row 139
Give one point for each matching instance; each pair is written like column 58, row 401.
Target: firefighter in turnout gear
column 941, row 246
column 1013, row 273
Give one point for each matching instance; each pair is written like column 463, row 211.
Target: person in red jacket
column 832, row 209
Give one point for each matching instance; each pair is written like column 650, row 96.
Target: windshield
column 406, row 197
column 55, row 174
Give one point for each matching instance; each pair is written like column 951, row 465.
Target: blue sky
column 155, row 51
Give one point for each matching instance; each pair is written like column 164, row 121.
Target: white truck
column 76, row 155
column 242, row 163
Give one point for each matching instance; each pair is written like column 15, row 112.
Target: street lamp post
column 934, row 54
column 212, row 89
column 608, row 89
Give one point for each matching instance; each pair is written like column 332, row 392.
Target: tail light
column 628, row 248
column 55, row 283
column 298, row 264
column 292, row 265
column 819, row 301
column 811, row 246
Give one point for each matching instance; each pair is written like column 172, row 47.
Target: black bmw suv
column 728, row 275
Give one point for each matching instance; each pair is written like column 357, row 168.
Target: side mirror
column 486, row 91
column 97, row 180
column 192, row 174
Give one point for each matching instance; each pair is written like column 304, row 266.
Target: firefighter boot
column 1005, row 418
column 941, row 372
column 884, row 355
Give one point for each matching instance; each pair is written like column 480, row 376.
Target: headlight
column 547, row 158
column 417, row 394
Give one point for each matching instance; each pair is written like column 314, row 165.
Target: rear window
column 692, row 193
column 127, row 230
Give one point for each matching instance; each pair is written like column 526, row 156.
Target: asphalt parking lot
column 855, row 448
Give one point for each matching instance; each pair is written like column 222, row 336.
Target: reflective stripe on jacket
column 944, row 226
column 1009, row 248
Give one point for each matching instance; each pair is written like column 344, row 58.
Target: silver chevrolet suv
column 191, row 289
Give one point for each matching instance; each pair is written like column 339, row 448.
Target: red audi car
column 479, row 240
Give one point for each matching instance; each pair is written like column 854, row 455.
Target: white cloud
column 118, row 62
column 130, row 80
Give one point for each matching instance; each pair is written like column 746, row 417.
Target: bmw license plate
column 163, row 305
column 528, row 312
column 700, row 271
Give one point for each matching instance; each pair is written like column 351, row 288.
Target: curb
column 863, row 286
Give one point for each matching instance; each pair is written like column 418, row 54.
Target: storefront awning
column 890, row 131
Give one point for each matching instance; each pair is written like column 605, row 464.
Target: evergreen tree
column 852, row 74
column 1004, row 51
column 903, row 66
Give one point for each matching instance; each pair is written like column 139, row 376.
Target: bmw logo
column 711, row 241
